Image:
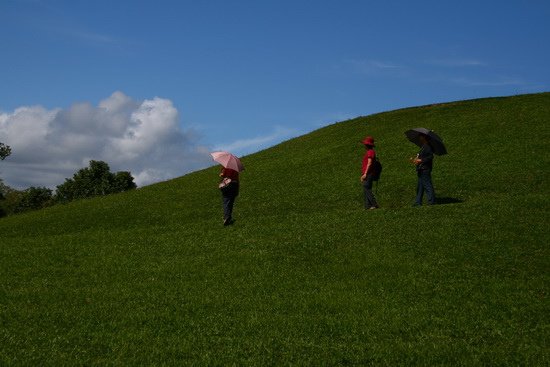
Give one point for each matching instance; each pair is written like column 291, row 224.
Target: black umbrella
column 434, row 140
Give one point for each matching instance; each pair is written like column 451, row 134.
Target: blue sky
column 247, row 74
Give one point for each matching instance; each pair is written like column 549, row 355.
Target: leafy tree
column 95, row 180
column 34, row 198
column 3, row 189
column 9, row 199
column 5, row 151
column 123, row 181
column 3, row 212
column 66, row 191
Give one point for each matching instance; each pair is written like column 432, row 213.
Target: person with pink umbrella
column 229, row 185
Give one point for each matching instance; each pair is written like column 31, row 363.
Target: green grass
column 305, row 276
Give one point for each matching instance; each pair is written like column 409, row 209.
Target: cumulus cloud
column 143, row 137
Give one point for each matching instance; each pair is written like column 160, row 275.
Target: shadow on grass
column 448, row 200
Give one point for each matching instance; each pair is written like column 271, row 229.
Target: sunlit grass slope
column 305, row 276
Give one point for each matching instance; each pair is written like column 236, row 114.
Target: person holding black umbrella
column 424, row 164
column 430, row 143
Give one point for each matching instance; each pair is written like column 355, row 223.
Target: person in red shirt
column 230, row 190
column 368, row 174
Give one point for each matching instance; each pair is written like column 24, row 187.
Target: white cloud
column 373, row 67
column 457, row 62
column 143, row 137
column 383, row 65
column 247, row 146
column 93, row 37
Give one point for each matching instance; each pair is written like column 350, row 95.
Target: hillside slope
column 305, row 275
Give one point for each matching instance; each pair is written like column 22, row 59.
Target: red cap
column 369, row 140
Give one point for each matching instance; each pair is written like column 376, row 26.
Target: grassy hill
column 305, row 276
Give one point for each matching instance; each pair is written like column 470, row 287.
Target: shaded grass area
column 305, row 276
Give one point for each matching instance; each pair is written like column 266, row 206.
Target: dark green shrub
column 95, row 180
column 34, row 198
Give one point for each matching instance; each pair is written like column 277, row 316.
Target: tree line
column 95, row 180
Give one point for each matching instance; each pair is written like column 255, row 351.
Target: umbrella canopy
column 435, row 141
column 228, row 160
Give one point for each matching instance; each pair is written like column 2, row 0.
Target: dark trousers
column 229, row 194
column 369, row 198
column 425, row 184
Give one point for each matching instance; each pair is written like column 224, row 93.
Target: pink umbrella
column 228, row 160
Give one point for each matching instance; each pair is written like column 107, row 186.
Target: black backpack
column 377, row 169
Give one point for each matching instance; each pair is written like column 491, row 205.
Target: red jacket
column 369, row 154
column 230, row 173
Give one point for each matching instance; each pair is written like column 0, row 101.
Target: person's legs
column 230, row 206
column 365, row 195
column 370, row 200
column 428, row 186
column 229, row 196
column 425, row 184
column 227, row 207
column 419, row 189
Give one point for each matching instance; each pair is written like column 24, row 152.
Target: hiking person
column 229, row 185
column 368, row 173
column 229, row 188
column 424, row 164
